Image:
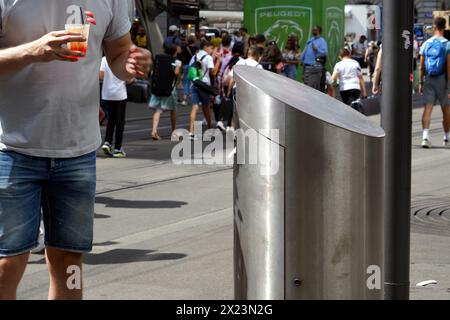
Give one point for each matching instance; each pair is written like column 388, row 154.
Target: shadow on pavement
column 119, row 256
column 136, row 204
column 101, row 216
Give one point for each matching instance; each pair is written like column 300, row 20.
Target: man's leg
column 426, row 121
column 193, row 118
column 446, row 121
column 11, row 272
column 207, row 113
column 20, row 212
column 65, row 274
column 173, row 120
column 68, row 209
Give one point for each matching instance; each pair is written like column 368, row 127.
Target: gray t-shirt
column 51, row 109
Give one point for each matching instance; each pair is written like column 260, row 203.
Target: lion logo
column 281, row 30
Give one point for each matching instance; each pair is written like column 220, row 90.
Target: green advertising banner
column 277, row 19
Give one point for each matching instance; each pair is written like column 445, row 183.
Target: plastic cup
column 82, row 29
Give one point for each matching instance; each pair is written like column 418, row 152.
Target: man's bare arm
column 126, row 60
column 46, row 49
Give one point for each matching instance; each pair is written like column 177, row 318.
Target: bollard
column 313, row 229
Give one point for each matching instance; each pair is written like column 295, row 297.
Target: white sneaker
column 445, row 143
column 426, row 144
column 221, row 126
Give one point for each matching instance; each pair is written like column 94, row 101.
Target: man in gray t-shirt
column 49, row 131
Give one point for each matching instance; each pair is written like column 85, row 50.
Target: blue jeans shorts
column 200, row 98
column 63, row 190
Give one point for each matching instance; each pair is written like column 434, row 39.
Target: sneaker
column 107, row 149
column 426, row 144
column 119, row 154
column 445, row 143
column 221, row 126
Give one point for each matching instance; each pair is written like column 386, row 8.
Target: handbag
column 138, row 91
column 206, row 88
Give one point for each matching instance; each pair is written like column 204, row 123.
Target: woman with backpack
column 164, row 95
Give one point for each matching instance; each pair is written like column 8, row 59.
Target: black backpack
column 163, row 77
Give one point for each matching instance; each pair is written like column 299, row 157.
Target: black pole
column 398, row 21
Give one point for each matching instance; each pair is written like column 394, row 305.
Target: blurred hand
column 50, row 47
column 376, row 89
column 139, row 62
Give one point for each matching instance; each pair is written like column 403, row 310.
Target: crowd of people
column 203, row 67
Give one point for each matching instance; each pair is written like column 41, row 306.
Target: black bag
column 206, row 88
column 368, row 107
column 138, row 91
column 163, row 77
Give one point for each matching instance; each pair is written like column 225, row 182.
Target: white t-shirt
column 349, row 72
column 246, row 62
column 250, row 63
column 113, row 88
column 207, row 62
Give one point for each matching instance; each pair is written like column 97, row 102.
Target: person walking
column 351, row 81
column 186, row 56
column 164, row 91
column 203, row 62
column 49, row 133
column 434, row 72
column 313, row 72
column 114, row 95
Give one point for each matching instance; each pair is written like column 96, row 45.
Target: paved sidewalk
column 165, row 232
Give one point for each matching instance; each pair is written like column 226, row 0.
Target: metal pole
column 398, row 21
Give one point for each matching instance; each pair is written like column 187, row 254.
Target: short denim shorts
column 62, row 191
column 200, row 98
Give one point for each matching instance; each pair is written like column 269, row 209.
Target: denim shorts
column 63, row 190
column 200, row 98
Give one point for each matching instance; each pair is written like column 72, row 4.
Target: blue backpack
column 435, row 58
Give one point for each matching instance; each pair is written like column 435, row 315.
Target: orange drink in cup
column 82, row 29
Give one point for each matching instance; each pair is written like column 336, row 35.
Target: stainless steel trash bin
column 313, row 229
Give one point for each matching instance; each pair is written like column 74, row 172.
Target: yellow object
column 141, row 41
column 216, row 42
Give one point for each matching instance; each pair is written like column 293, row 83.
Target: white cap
column 173, row 28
